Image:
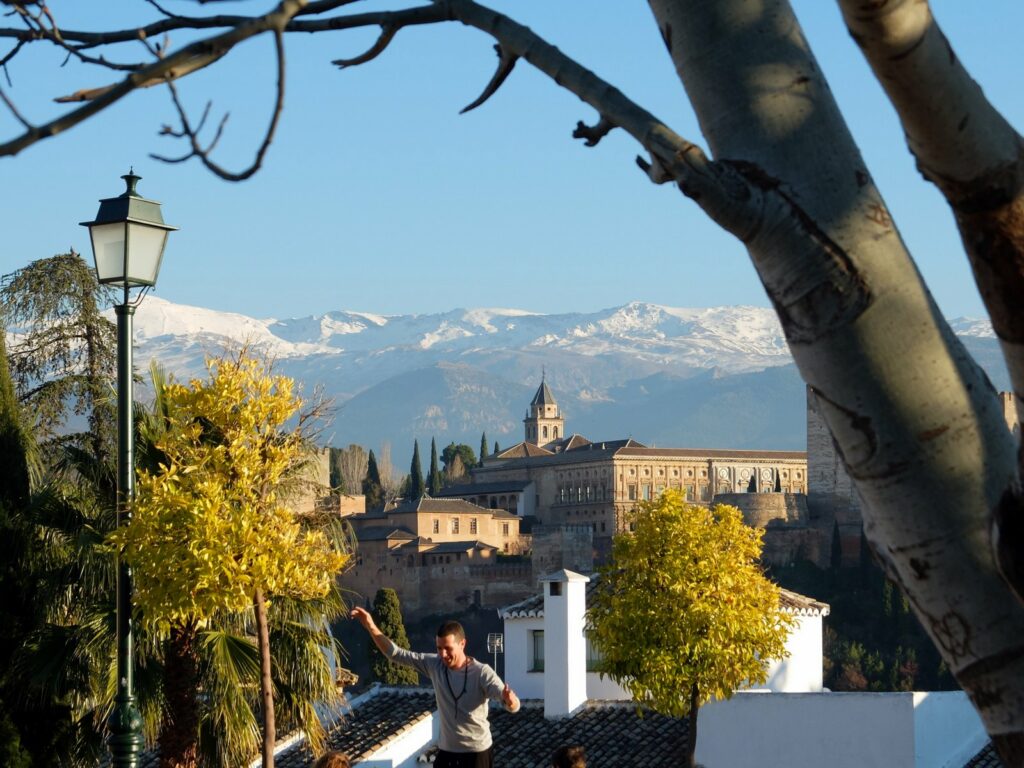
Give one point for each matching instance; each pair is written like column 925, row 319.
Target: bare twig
column 203, row 153
column 593, row 133
column 387, row 33
column 506, row 62
column 14, row 110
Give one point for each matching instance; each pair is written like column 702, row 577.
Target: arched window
column 554, row 432
column 545, row 431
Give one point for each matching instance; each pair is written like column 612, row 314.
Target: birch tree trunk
column 917, row 422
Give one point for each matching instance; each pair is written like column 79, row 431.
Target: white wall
column 801, row 671
column 840, row 730
column 948, row 731
column 527, row 685
column 403, row 749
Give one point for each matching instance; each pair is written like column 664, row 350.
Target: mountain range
column 719, row 377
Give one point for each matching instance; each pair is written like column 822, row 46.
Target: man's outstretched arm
column 363, row 616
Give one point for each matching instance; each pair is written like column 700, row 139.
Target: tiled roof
column 801, row 605
column 791, row 602
column 457, row 546
column 522, row 450
column 710, row 453
column 428, row 504
column 383, row 532
column 374, row 720
column 476, row 489
column 543, row 396
column 613, row 734
column 987, row 758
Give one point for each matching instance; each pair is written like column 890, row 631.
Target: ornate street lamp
column 128, row 238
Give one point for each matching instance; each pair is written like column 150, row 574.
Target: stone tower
column 544, row 421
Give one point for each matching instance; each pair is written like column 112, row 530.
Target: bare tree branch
column 593, row 133
column 962, row 144
column 387, row 33
column 203, row 153
column 505, row 64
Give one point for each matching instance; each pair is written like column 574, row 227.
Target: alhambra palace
column 554, row 501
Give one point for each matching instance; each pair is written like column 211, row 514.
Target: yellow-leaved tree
column 213, row 529
column 682, row 612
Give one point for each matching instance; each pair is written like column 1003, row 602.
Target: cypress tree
column 434, row 478
column 483, row 447
column 416, row 473
column 387, row 613
column 496, row 448
column 373, row 489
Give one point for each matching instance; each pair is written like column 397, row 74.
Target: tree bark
column 179, row 732
column 916, row 421
column 266, row 680
column 691, row 737
column 962, row 144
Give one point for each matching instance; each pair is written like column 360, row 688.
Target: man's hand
column 364, row 617
column 509, row 699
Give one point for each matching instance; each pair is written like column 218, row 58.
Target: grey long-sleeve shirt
column 462, row 697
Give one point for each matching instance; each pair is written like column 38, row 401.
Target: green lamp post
column 128, row 238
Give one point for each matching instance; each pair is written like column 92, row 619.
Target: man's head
column 569, row 757
column 451, row 644
column 333, row 759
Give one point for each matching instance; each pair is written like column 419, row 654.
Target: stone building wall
column 562, row 546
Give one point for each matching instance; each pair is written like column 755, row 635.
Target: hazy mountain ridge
column 715, row 377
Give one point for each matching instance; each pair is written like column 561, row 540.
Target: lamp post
column 128, row 238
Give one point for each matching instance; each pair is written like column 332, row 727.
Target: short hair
column 451, row 628
column 569, row 757
column 333, row 759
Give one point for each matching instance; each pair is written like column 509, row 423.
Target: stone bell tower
column 544, row 421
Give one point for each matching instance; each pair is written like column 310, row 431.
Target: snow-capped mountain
column 715, row 377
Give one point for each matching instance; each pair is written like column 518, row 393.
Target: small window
column 545, row 431
column 555, row 588
column 455, row 525
column 472, row 525
column 437, row 525
column 646, row 492
column 632, row 493
column 555, row 433
column 504, row 529
column 537, row 651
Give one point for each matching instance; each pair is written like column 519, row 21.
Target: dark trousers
column 463, row 759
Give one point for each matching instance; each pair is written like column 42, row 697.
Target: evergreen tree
column 483, row 447
column 496, row 448
column 18, row 615
column 68, row 352
column 836, row 557
column 434, row 478
column 373, row 490
column 387, row 613
column 416, row 473
column 461, row 450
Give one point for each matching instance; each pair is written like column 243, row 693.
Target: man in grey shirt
column 462, row 688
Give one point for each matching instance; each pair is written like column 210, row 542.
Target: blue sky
column 378, row 196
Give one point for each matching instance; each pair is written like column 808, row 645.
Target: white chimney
column 565, row 645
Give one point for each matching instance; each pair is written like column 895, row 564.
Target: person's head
column 333, row 759
column 451, row 644
column 569, row 757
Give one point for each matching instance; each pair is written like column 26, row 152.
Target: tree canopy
column 214, row 524
column 387, row 612
column 683, row 613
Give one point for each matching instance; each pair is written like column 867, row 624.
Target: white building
column 528, row 659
